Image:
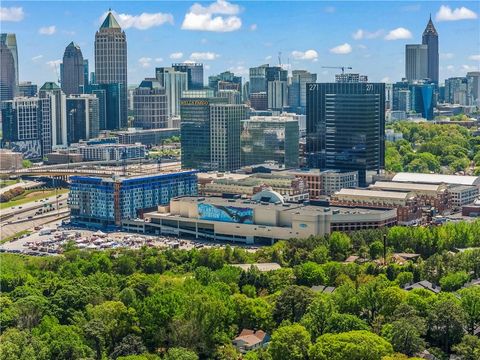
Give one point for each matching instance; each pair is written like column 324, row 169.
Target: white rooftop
column 406, row 186
column 437, row 179
column 375, row 193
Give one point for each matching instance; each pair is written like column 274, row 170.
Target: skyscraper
column 270, row 138
column 346, row 126
column 297, row 91
column 8, row 87
column 150, row 105
column 82, row 117
column 430, row 38
column 194, row 74
column 416, row 62
column 277, row 95
column 111, row 61
column 225, row 81
column 59, row 120
column 26, row 88
column 195, row 131
column 175, row 83
column 225, row 129
column 72, row 70
column 10, row 41
column 27, row 126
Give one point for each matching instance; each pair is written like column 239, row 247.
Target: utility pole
column 384, row 249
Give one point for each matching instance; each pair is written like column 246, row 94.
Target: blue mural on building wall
column 225, row 213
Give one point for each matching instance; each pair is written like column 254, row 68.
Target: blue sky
column 369, row 36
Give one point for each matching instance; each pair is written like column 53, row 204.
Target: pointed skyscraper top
column 110, row 22
column 430, row 29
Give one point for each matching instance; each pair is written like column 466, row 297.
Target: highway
column 18, row 219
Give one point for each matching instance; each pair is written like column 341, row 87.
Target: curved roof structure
column 268, row 195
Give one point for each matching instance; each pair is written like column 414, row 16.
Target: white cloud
column 470, row 68
column 447, row 56
column 176, row 55
column 269, row 57
column 305, row 55
column 47, row 30
column 206, row 67
column 445, row 13
column 450, row 68
column 38, row 57
column 203, row 56
column 145, row 62
column 239, row 70
column 11, row 13
column 398, row 34
column 158, row 60
column 361, row 46
column 364, row 34
column 54, row 64
column 474, row 57
column 202, row 18
column 385, row 79
column 342, row 49
column 253, row 27
column 329, row 9
column 143, row 21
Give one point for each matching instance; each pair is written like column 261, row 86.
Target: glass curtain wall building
column 346, row 127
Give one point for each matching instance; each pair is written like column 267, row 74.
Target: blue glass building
column 105, row 202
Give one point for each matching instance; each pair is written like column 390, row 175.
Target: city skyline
column 237, row 35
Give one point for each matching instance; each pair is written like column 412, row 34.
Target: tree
column 339, row 323
column 180, row 354
column 404, row 278
column 445, row 321
column 454, row 281
column 404, row 336
column 292, row 303
column 130, row 345
column 318, row 315
column 309, row 274
column 289, row 342
column 340, row 245
column 375, row 249
column 26, row 164
column 470, row 302
column 468, row 348
column 350, row 345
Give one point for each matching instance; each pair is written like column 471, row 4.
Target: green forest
column 427, row 147
column 153, row 304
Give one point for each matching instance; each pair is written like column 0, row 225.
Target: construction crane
column 338, row 67
column 279, row 58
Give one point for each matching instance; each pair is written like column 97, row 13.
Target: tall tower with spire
column 430, row 38
column 72, row 70
column 111, row 61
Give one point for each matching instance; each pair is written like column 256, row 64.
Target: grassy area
column 5, row 183
column 23, row 199
column 14, row 236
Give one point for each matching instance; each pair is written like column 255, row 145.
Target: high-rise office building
column 277, row 95
column 225, row 81
column 414, row 97
column 259, row 101
column 194, row 74
column 110, row 104
column 460, row 90
column 195, row 131
column 85, row 71
column 297, row 91
column 270, row 138
column 7, row 77
column 474, row 80
column 82, row 117
column 111, row 62
column 258, row 79
column 416, row 62
column 225, row 129
column 346, row 127
column 58, row 100
column 27, row 126
column 8, row 88
column 350, row 77
column 72, row 70
column 232, row 96
column 430, row 38
column 26, row 88
column 175, row 83
column 150, row 105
